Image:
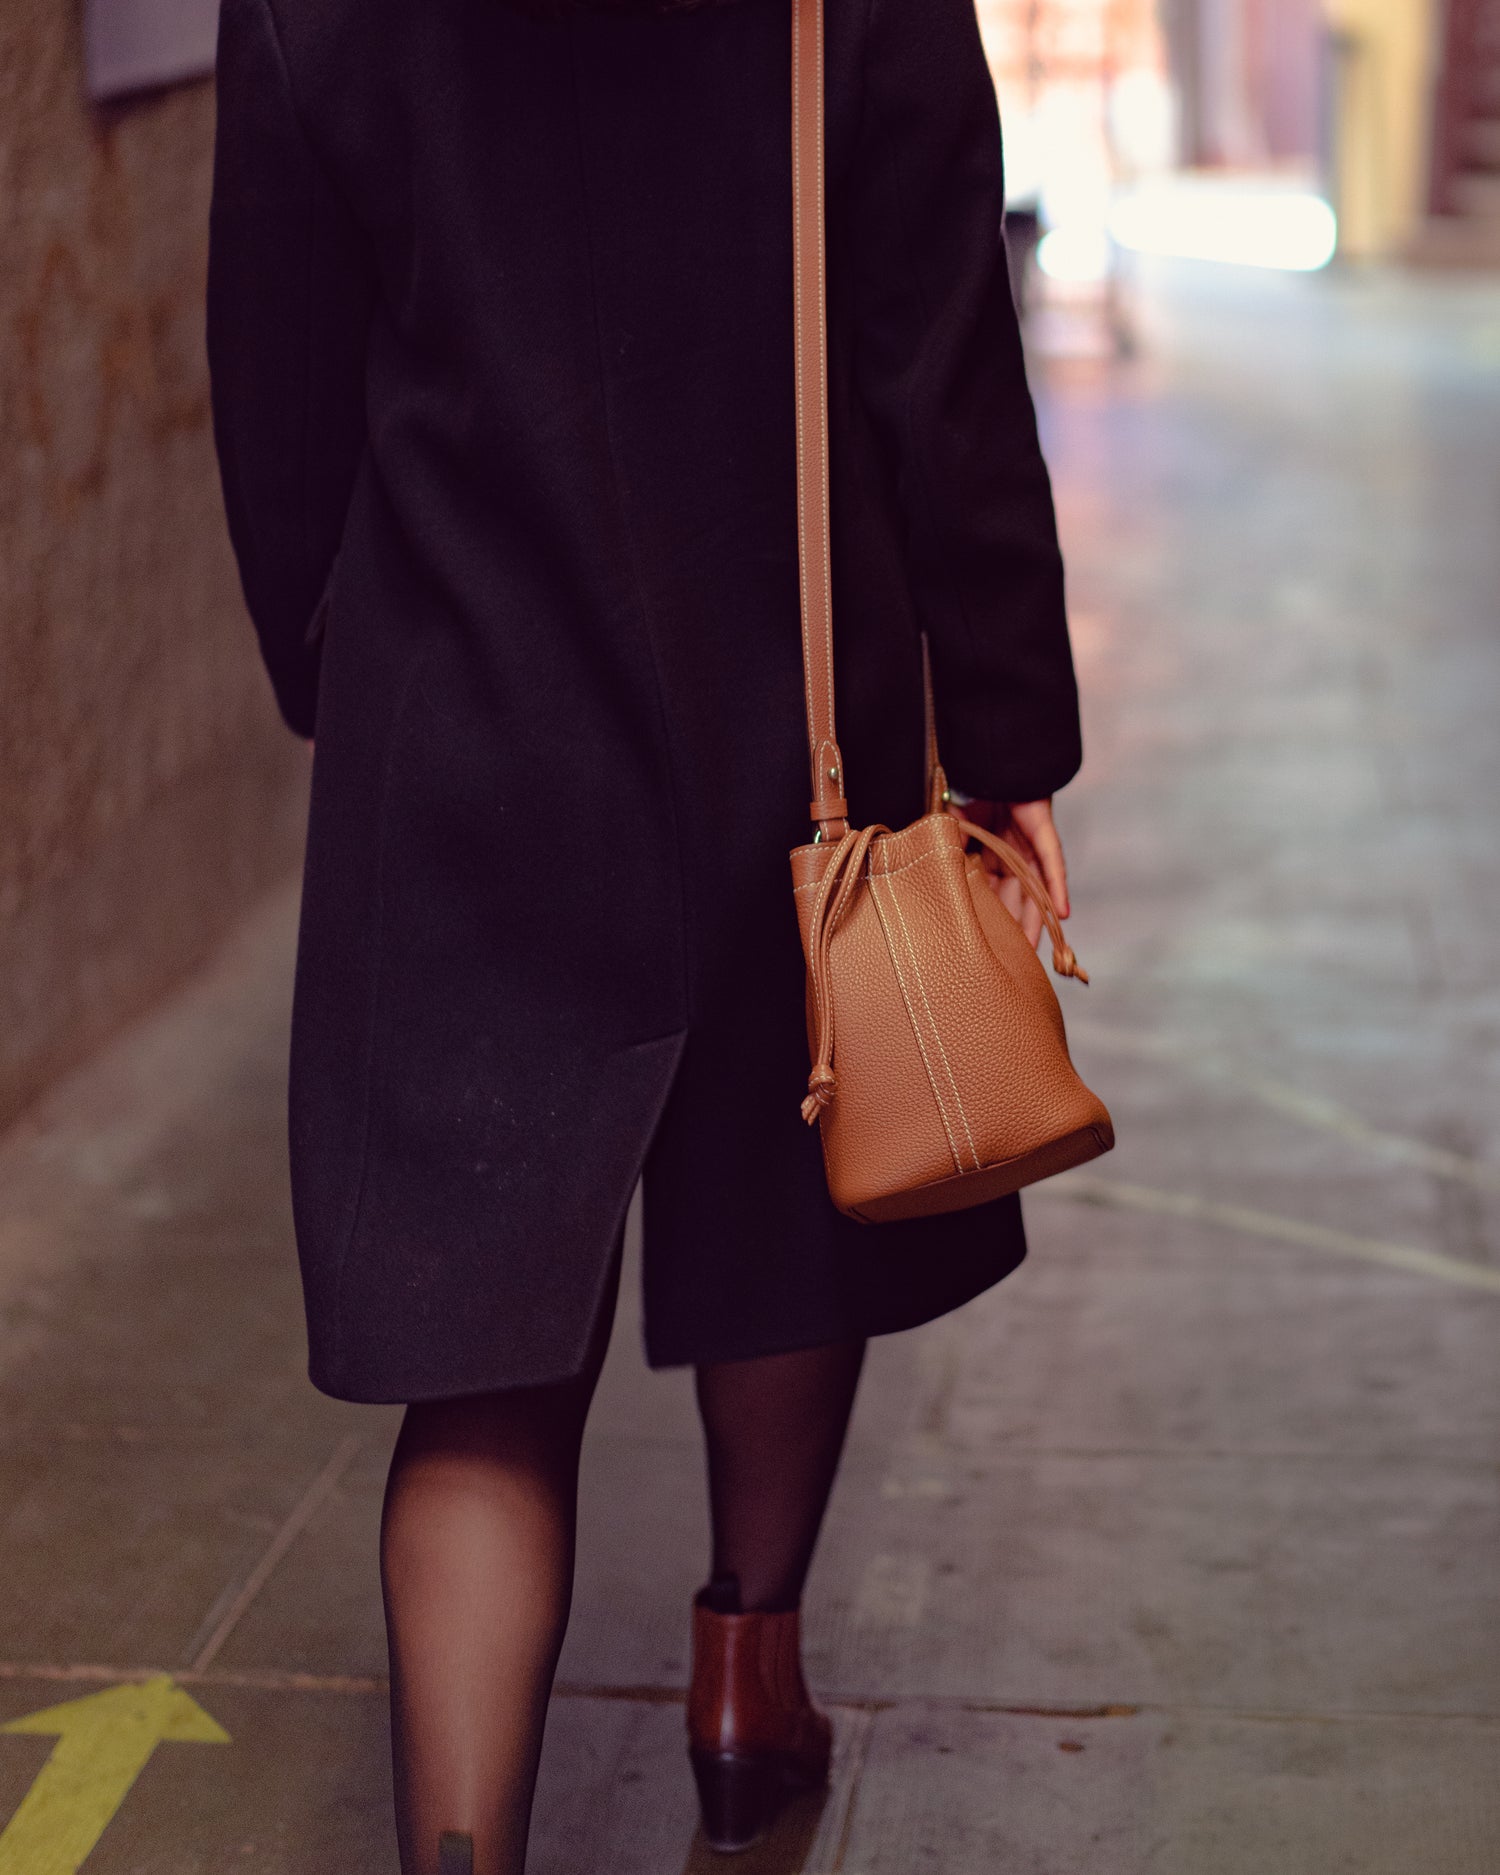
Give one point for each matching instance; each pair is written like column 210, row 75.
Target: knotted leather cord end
column 1066, row 964
column 1063, row 960
column 820, row 1086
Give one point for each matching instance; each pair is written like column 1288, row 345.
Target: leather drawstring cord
column 1063, row 960
column 839, row 883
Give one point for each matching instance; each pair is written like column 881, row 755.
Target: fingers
column 1034, row 818
column 1029, row 828
column 1008, row 891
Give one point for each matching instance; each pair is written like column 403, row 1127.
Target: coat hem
column 339, row 1386
column 661, row 1359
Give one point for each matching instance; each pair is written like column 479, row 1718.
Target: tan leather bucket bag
column 940, row 1074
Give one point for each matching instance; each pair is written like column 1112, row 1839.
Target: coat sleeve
column 938, row 363
column 290, row 293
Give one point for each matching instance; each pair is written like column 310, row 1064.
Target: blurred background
column 1174, row 1555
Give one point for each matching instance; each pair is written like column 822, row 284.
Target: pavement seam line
column 858, row 1757
column 1116, row 1195
column 279, row 1680
column 301, row 1515
column 1284, row 1097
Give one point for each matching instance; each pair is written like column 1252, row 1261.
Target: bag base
column 963, row 1189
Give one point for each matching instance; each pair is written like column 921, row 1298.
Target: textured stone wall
column 147, row 791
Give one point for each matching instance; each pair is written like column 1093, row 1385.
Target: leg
column 774, row 1429
column 477, row 1563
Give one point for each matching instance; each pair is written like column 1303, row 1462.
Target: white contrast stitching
column 798, row 186
column 891, row 872
column 820, row 722
column 823, row 383
column 916, row 1029
column 937, row 1034
column 932, row 846
column 812, row 974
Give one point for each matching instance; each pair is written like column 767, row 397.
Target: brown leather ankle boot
column 754, row 1736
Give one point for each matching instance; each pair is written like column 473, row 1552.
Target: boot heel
column 737, row 1796
column 455, row 1853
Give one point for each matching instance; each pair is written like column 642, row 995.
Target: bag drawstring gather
column 1063, row 960
column 837, row 887
column 839, row 883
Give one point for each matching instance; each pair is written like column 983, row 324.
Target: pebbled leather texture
column 948, row 1054
column 941, row 1076
column 747, row 1697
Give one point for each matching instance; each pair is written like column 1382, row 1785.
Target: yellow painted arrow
column 103, row 1743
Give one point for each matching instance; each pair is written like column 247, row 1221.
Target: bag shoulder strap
column 828, row 807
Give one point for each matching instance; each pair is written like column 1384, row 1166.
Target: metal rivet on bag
column 833, row 774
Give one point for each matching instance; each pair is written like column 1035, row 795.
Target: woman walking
column 499, row 324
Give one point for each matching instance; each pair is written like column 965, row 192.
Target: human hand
column 1028, row 827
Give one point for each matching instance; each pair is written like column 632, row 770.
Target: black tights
column 477, row 1561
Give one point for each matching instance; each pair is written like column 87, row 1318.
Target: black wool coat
column 501, row 344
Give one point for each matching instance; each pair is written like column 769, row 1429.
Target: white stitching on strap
column 823, row 382
column 801, row 440
column 807, row 16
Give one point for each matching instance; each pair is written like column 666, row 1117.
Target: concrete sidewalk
column 1176, row 1554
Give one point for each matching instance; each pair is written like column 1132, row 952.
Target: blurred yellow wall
column 1386, row 88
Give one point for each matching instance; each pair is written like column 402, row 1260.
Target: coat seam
column 372, row 1024
column 309, row 263
column 631, row 555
